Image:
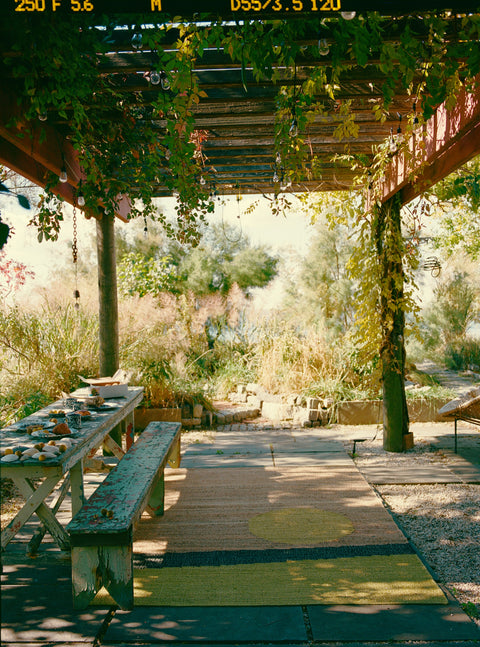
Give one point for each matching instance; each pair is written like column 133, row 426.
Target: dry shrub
column 309, row 361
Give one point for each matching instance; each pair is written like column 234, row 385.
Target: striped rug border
column 230, row 557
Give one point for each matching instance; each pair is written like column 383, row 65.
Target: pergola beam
column 449, row 139
column 35, row 154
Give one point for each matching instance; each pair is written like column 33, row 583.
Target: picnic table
column 37, row 479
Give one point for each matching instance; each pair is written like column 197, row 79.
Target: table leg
column 455, row 423
column 39, row 533
column 34, row 503
column 78, row 494
column 113, row 447
column 116, row 436
column 45, row 514
column 129, row 432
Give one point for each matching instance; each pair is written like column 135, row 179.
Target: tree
column 323, row 285
column 453, row 309
column 214, row 266
column 387, row 237
column 382, row 271
column 458, row 199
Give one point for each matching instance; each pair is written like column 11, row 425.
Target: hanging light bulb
column 275, row 177
column 81, row 200
column 323, row 47
column 278, row 159
column 399, row 135
column 417, row 126
column 293, row 132
column 203, row 181
column 348, row 15
column 42, row 116
column 392, row 146
column 63, row 177
column 155, row 77
column 164, row 81
column 137, row 40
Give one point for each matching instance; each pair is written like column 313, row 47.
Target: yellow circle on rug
column 300, row 526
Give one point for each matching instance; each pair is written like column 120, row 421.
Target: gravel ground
column 441, row 520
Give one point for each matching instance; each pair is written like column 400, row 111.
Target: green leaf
column 23, row 202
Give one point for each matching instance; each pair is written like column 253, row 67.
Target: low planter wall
column 370, row 412
column 144, row 416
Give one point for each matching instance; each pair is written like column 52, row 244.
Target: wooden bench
column 101, row 533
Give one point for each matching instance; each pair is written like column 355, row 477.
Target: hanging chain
column 76, row 293
column 75, row 232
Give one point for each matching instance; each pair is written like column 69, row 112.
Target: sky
column 45, row 259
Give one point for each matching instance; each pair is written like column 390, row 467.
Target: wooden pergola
column 236, row 115
column 235, row 120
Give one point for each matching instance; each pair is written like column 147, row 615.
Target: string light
column 399, row 136
column 80, row 196
column 137, row 40
column 164, row 81
column 392, row 146
column 155, row 77
column 293, row 132
column 348, row 15
column 42, row 116
column 323, row 47
column 63, row 177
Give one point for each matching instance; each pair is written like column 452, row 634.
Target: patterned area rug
column 275, row 536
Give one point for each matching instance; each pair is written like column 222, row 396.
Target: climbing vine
column 56, row 64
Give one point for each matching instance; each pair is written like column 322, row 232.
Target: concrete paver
column 208, row 624
column 391, row 622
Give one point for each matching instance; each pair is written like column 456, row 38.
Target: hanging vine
column 124, row 151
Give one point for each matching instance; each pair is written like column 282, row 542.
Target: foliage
column 12, row 275
column 322, row 284
column 42, row 353
column 453, row 309
column 310, row 360
column 215, row 265
column 121, row 150
column 458, row 197
column 462, row 355
column 138, row 275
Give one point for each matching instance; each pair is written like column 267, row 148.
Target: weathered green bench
column 101, row 533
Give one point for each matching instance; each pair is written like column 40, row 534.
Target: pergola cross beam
column 449, row 139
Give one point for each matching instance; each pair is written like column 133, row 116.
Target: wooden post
column 108, row 304
column 389, row 246
column 107, row 294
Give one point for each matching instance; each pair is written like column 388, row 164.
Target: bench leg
column 174, row 456
column 156, row 502
column 110, row 566
column 86, row 579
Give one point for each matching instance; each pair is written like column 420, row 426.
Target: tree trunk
column 107, row 294
column 389, row 246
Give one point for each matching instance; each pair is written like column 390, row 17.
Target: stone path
column 450, row 379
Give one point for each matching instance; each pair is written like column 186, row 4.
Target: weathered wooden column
column 389, row 248
column 107, row 295
column 108, row 306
